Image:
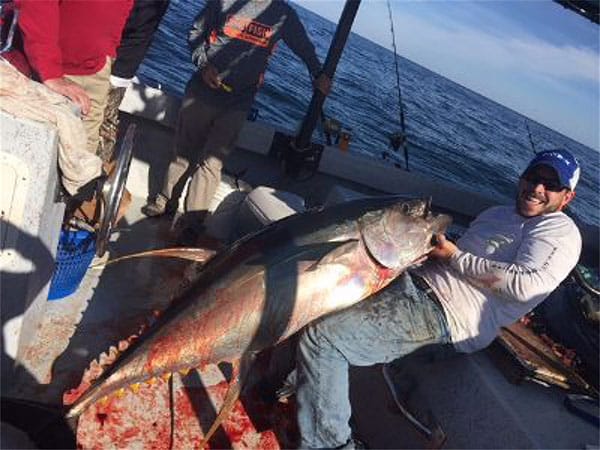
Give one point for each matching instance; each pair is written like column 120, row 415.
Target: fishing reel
column 397, row 140
column 300, row 164
column 335, row 133
column 100, row 213
column 332, row 129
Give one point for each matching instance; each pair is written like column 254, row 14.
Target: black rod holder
column 336, row 48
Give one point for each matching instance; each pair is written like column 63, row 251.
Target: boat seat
column 339, row 194
column 265, row 205
column 224, row 207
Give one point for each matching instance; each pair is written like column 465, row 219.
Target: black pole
column 530, row 138
column 333, row 56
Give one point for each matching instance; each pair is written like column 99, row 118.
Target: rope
column 402, row 124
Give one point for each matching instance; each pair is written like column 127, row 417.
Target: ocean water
column 456, row 134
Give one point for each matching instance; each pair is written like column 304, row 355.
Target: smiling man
column 548, row 184
column 507, row 262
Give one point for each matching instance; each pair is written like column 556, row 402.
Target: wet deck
column 114, row 302
column 471, row 399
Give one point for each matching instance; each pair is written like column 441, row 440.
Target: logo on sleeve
column 496, row 242
column 248, row 30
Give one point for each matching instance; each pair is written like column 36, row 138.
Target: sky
column 533, row 56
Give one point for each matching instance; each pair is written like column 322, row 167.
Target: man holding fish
column 231, row 43
column 508, row 261
column 269, row 285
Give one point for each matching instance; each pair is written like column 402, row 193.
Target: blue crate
column 75, row 252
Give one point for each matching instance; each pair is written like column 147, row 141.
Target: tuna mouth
column 427, row 210
column 441, row 223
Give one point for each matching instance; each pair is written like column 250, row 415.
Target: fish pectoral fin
column 200, row 255
column 334, row 256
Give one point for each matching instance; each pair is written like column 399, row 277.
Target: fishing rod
column 530, row 137
column 398, row 140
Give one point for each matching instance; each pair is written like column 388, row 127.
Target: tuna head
column 399, row 235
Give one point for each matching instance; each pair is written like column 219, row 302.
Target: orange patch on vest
column 248, row 30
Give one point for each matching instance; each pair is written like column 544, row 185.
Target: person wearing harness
column 231, row 41
column 507, row 262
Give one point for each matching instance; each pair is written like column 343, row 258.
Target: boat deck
column 472, row 400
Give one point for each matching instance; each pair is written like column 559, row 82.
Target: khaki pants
column 206, row 134
column 96, row 86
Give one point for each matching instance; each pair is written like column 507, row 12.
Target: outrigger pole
column 303, row 140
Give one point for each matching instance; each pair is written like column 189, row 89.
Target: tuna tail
column 114, row 383
column 200, row 255
column 89, row 389
column 92, row 394
column 106, row 359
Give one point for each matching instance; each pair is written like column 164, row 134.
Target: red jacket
column 71, row 37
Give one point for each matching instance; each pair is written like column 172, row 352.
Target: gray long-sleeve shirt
column 238, row 36
column 505, row 266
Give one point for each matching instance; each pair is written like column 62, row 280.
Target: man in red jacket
column 70, row 45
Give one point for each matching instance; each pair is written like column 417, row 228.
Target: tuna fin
column 200, row 255
column 240, row 369
column 333, row 257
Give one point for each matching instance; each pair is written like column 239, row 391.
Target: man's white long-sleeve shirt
column 505, row 266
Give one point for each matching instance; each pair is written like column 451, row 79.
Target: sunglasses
column 550, row 184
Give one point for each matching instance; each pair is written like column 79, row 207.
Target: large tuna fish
column 268, row 285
